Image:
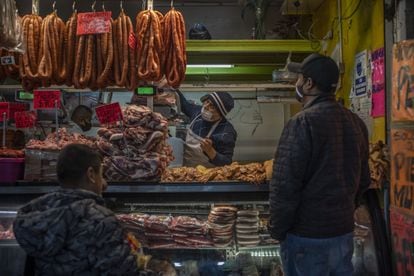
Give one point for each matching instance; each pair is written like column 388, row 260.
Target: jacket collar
column 81, row 193
column 319, row 99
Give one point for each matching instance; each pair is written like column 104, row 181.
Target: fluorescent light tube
column 210, row 65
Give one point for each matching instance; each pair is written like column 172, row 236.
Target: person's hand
column 207, row 146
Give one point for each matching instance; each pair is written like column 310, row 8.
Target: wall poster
column 378, row 82
column 403, row 81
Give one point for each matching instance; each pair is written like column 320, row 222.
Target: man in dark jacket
column 210, row 138
column 70, row 232
column 319, row 174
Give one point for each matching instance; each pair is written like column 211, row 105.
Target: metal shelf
column 144, row 188
column 8, row 243
column 252, row 46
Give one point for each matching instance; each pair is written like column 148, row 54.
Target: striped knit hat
column 222, row 101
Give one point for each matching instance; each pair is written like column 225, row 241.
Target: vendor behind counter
column 211, row 138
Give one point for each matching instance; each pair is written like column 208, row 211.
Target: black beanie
column 222, row 101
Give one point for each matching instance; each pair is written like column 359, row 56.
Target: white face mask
column 206, row 115
column 299, row 95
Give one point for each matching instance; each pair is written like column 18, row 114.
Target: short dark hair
column 81, row 111
column 74, row 161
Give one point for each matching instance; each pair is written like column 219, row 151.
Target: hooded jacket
column 70, row 232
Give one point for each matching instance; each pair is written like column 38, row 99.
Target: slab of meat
column 221, row 222
column 166, row 98
column 136, row 151
column 65, row 138
column 158, row 231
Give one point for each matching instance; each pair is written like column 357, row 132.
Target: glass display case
column 196, row 201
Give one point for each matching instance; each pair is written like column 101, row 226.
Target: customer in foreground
column 70, row 232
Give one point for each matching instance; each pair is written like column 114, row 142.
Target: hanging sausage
column 52, row 66
column 29, row 63
column 174, row 40
column 150, row 48
column 125, row 72
column 70, row 47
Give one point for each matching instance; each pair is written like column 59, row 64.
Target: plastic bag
column 11, row 35
column 199, row 31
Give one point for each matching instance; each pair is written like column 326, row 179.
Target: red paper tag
column 45, row 99
column 109, row 113
column 10, row 109
column 132, row 40
column 4, row 108
column 25, row 119
column 93, row 23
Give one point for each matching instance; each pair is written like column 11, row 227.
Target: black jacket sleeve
column 225, row 150
column 289, row 169
column 365, row 180
column 189, row 109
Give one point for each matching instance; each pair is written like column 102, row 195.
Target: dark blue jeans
column 321, row 257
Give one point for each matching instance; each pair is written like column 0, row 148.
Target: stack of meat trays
column 247, row 228
column 221, row 222
column 157, row 231
column 190, row 232
column 135, row 223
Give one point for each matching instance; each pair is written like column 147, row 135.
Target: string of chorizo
column 70, row 47
column 150, row 50
column 174, row 40
column 52, row 67
column 124, row 60
column 29, row 61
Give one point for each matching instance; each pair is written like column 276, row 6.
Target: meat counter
column 183, row 226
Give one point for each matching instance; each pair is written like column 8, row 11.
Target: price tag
column 45, row 99
column 16, row 107
column 4, row 108
column 132, row 41
column 93, row 23
column 7, row 60
column 10, row 109
column 25, row 119
column 109, row 113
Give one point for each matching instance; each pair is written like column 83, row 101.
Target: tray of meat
column 11, row 153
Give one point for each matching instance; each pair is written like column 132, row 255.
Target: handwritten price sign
column 44, row 99
column 93, row 23
column 25, row 119
column 403, row 81
column 402, row 227
column 109, row 113
column 10, row 109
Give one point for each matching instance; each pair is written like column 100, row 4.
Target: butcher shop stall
column 122, row 62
